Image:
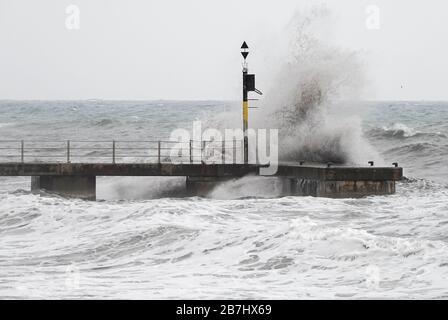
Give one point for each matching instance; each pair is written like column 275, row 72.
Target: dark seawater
column 244, row 241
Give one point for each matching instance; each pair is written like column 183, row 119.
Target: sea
column 143, row 239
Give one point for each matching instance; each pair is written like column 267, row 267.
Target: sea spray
column 312, row 95
column 138, row 188
column 313, row 78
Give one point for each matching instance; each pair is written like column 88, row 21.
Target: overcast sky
column 189, row 49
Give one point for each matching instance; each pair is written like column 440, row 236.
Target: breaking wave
column 401, row 131
column 314, row 76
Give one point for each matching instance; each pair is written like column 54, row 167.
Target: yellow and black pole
column 245, row 52
column 248, row 85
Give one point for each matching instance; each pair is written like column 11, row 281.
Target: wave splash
column 313, row 80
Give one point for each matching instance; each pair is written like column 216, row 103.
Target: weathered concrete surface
column 341, row 189
column 126, row 169
column 81, row 187
column 203, row 186
column 313, row 172
column 340, row 173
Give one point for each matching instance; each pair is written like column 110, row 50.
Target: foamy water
column 244, row 241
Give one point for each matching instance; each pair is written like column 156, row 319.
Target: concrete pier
column 81, row 187
column 319, row 180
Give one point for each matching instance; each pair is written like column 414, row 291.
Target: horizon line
column 214, row 100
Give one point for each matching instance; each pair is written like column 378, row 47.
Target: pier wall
column 81, row 187
column 341, row 189
column 202, row 186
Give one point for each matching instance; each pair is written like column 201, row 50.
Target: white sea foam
column 400, row 130
column 294, row 247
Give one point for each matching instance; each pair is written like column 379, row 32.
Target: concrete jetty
column 79, row 179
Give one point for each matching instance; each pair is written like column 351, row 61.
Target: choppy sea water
column 242, row 243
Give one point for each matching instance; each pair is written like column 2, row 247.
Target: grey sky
column 178, row 49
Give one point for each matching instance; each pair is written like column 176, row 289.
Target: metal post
column 113, row 151
column 223, row 152
column 256, row 150
column 22, row 151
column 242, row 148
column 68, row 151
column 245, row 115
column 234, row 151
column 191, row 151
column 202, row 149
column 158, row 152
